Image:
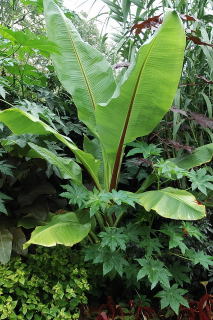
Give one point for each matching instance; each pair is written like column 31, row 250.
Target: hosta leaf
column 172, row 203
column 69, row 169
column 82, row 70
column 135, row 107
column 20, row 122
column 198, row 157
column 67, row 229
column 6, row 239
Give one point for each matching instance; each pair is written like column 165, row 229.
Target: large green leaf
column 172, row 203
column 82, row 70
column 68, row 168
column 67, row 229
column 20, row 122
column 145, row 96
column 6, row 239
column 198, row 157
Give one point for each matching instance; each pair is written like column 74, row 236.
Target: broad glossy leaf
column 69, row 169
column 147, row 94
column 172, row 203
column 198, row 157
column 20, row 122
column 6, row 239
column 67, row 229
column 82, row 70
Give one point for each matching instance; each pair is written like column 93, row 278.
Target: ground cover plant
column 104, row 208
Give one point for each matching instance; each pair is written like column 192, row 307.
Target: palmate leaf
column 176, row 237
column 82, row 70
column 114, row 238
column 201, row 180
column 172, row 203
column 136, row 108
column 20, row 122
column 67, row 229
column 155, row 270
column 172, row 297
column 148, row 150
column 76, row 194
column 200, row 257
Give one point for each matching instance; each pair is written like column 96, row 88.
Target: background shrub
column 47, row 285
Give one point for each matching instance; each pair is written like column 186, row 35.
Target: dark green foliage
column 47, row 285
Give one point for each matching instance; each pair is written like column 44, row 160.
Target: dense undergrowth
column 149, row 262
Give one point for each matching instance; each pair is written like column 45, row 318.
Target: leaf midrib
column 123, row 135
column 80, row 64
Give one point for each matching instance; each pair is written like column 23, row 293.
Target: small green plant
column 47, row 285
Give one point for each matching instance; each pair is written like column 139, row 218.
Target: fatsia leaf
column 198, row 157
column 114, row 238
column 141, row 101
column 155, row 270
column 172, row 203
column 76, row 194
column 20, row 122
column 67, row 229
column 176, row 237
column 82, row 70
column 5, row 245
column 201, row 180
column 200, row 257
column 172, row 297
column 69, row 169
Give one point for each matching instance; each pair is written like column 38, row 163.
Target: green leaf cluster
column 42, row 288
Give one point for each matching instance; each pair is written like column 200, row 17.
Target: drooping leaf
column 147, row 24
column 82, row 70
column 6, row 239
column 202, row 120
column 179, row 146
column 139, row 108
column 198, row 41
column 205, row 80
column 186, row 17
column 20, row 122
column 172, row 203
column 67, row 229
column 177, row 110
column 198, row 157
column 69, row 169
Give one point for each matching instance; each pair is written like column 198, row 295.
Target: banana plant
column 116, row 112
